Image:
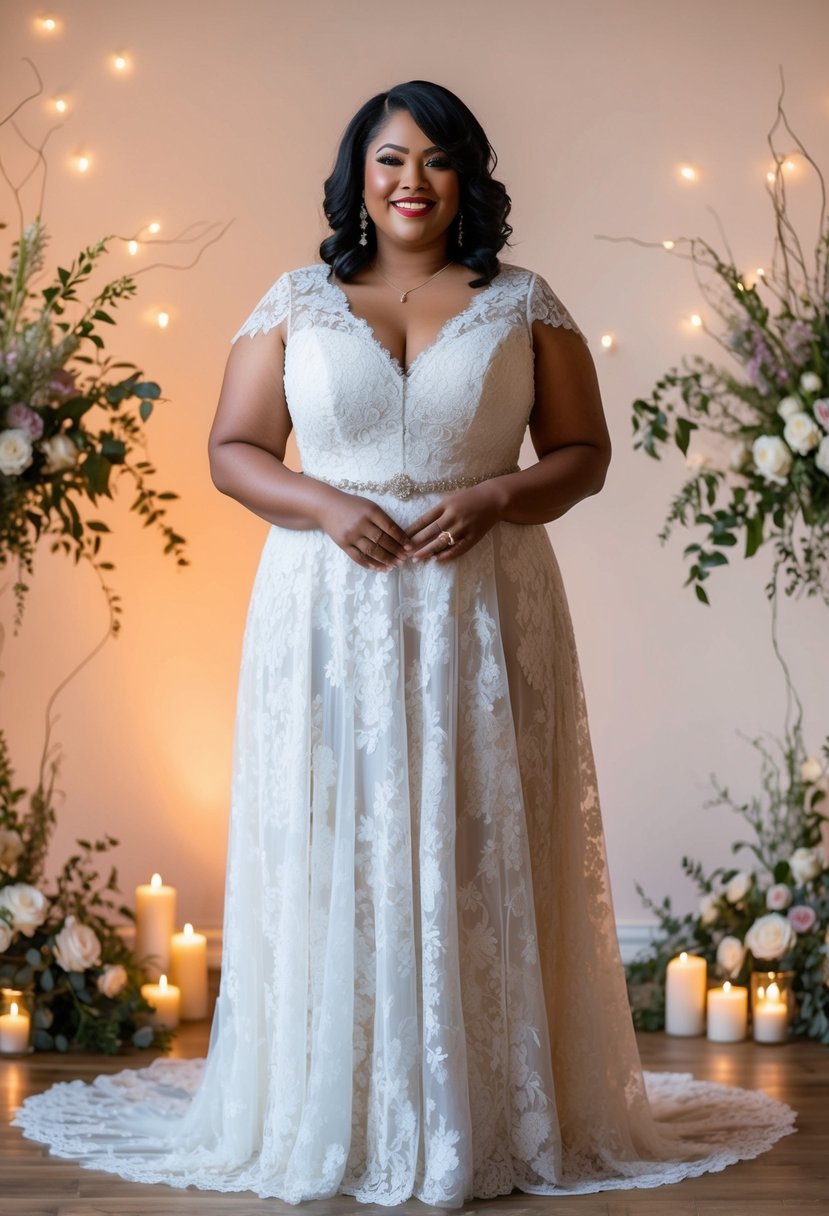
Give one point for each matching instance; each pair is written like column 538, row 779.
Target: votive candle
column 727, row 1013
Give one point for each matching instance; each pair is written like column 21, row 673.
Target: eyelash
column 441, row 164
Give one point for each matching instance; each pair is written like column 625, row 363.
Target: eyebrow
column 398, row 148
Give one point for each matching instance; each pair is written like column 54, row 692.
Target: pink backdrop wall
column 234, row 111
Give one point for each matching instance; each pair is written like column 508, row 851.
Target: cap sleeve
column 271, row 310
column 544, row 305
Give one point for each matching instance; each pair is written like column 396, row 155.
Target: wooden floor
column 793, row 1177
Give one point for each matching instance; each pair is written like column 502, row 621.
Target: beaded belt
column 403, row 486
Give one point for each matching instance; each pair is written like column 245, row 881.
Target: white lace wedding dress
column 421, row 992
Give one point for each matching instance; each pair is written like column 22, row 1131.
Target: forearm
column 552, row 486
column 261, row 482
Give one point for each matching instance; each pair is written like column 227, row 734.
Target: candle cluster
column 180, row 956
column 721, row 1013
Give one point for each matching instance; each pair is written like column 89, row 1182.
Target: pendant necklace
column 411, row 289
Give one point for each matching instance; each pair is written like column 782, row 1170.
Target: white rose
column 822, row 455
column 811, row 382
column 61, row 453
column 15, row 451
column 708, row 909
column 789, row 406
column 770, row 936
column 801, row 433
column 737, row 887
column 778, row 897
column 112, row 979
column 6, row 935
column 771, row 457
column 730, row 955
column 738, row 456
column 27, row 905
column 811, row 770
column 805, row 864
column 77, row 946
column 11, row 846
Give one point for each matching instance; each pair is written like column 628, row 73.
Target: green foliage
column 95, row 419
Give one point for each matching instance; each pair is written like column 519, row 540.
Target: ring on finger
column 447, row 536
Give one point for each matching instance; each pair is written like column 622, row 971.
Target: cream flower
column 77, row 946
column 112, row 979
column 730, row 955
column 822, row 455
column 6, row 935
column 789, row 406
column 15, row 451
column 802, row 433
column 811, row 382
column 27, row 906
column 770, row 936
column 737, row 887
column 708, row 907
column 61, row 453
column 739, row 455
column 811, row 770
column 772, row 458
column 11, row 846
column 805, row 864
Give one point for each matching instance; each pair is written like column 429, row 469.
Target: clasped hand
column 372, row 539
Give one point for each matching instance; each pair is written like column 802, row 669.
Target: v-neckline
column 397, row 367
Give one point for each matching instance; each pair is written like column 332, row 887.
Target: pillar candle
column 189, row 971
column 155, row 920
column 770, row 1016
column 685, row 987
column 166, row 1000
column 727, row 1010
column 14, row 1029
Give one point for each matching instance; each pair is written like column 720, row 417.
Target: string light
column 667, row 244
column 688, row 172
column 154, row 226
column 82, row 163
column 47, row 25
column 60, row 105
column 132, row 247
column 163, row 320
column 608, row 341
column 696, row 320
column 120, row 63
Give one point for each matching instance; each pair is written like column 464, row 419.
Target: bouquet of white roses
column 774, row 914
column 61, row 947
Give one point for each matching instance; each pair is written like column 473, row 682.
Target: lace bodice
column 460, row 409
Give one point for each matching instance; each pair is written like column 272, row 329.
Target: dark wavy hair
column 484, row 202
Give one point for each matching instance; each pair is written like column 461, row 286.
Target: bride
column 421, row 990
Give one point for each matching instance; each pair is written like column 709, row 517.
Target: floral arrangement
column 766, row 474
column 60, row 947
column 65, row 425
column 771, row 915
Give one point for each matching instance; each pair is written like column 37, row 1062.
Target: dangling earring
column 363, row 222
column 460, row 230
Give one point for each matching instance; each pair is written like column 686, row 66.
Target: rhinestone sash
column 404, row 487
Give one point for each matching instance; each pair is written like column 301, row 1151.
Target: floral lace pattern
column 421, row 991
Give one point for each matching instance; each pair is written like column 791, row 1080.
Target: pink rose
column 25, row 419
column 778, row 897
column 802, row 918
